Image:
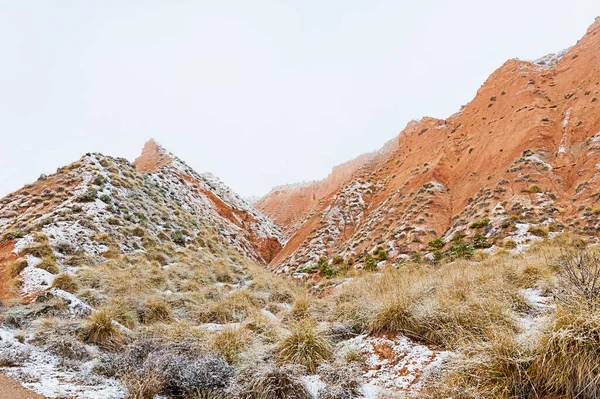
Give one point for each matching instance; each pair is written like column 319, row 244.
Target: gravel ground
column 10, row 389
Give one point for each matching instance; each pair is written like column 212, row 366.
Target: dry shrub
column 305, row 345
column 38, row 250
column 568, row 356
column 232, row 308
column 445, row 305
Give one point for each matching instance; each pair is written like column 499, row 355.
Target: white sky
column 261, row 93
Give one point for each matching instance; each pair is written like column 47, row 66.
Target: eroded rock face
column 523, row 152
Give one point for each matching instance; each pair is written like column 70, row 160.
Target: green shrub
column 480, row 242
column 460, row 249
column 436, row 243
column 90, row 195
column 381, row 253
column 308, row 268
column 178, row 237
column 480, row 223
column 370, row 263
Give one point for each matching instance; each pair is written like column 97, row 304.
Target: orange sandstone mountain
column 524, row 153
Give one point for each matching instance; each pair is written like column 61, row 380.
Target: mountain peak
column 153, row 157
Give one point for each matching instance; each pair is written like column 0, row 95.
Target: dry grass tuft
column 48, row 264
column 16, row 267
column 230, row 343
column 66, row 282
column 101, row 330
column 305, row 345
column 143, row 385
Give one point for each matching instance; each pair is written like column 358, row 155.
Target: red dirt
column 10, row 389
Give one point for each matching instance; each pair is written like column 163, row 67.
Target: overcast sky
column 261, row 93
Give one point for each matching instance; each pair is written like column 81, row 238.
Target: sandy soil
column 10, row 389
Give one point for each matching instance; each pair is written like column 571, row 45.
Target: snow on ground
column 313, row 385
column 394, row 364
column 532, row 322
column 42, row 373
column 551, row 59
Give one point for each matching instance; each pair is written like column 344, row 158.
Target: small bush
column 539, row 231
column 370, row 263
column 436, row 243
column 12, row 235
column 155, row 310
column 460, row 249
column 90, row 195
column 480, row 241
column 66, row 282
column 305, row 346
column 144, row 384
column 342, row 383
column 68, row 348
column 381, row 254
column 479, row 224
column 178, row 237
column 568, row 359
column 534, row 189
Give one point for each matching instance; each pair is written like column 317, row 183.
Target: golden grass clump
column 38, row 250
column 494, row 369
column 101, row 330
column 144, row 385
column 305, row 345
column 230, row 342
column 154, row 310
column 66, row 282
column 48, row 264
column 568, row 357
column 16, row 267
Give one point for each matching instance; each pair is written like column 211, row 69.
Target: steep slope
column 288, row 205
column 99, row 206
column 523, row 153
